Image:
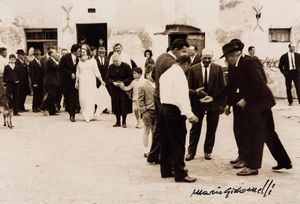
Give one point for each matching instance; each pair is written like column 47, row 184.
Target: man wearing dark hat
column 251, row 100
column 22, row 72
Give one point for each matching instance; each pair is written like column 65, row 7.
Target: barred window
column 279, row 34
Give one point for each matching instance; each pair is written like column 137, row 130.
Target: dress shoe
column 116, row 125
column 146, row 155
column 35, row 110
column 43, row 111
column 53, row 114
column 247, row 172
column 72, row 118
column 105, row 111
column 239, row 164
column 290, row 104
column 189, row 157
column 282, row 166
column 124, row 126
column 235, row 161
column 207, row 156
column 186, row 179
column 17, row 114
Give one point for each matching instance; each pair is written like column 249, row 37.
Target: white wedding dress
column 87, row 71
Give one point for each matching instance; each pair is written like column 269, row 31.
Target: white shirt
column 203, row 71
column 172, row 54
column 3, row 62
column 291, row 55
column 174, row 90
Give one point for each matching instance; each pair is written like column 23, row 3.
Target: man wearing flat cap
column 251, row 99
column 22, row 72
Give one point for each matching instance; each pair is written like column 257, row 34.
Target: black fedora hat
column 20, row 52
column 233, row 45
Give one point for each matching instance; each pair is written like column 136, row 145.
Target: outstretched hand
column 206, row 99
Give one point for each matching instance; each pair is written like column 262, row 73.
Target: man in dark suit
column 36, row 77
column 52, row 82
column 67, row 67
column 208, row 76
column 22, row 72
column 251, row 100
column 289, row 65
column 102, row 62
column 195, row 57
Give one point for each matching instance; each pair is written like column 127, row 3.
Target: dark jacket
column 51, row 76
column 284, row 63
column 9, row 75
column 215, row 84
column 245, row 81
column 102, row 69
column 35, row 72
column 67, row 68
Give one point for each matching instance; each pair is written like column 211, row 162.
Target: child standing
column 134, row 86
column 10, row 78
column 146, row 105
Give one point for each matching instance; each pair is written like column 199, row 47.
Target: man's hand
column 193, row 119
column 206, row 99
column 227, row 110
column 242, row 103
column 73, row 76
column 76, row 85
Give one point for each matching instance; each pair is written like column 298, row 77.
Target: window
column 279, row 34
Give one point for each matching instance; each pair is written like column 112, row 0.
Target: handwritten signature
column 265, row 191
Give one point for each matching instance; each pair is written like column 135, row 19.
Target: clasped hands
column 206, row 99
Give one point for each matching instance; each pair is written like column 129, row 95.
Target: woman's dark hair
column 74, row 48
column 149, row 51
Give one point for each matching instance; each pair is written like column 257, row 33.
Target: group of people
column 180, row 85
column 186, row 91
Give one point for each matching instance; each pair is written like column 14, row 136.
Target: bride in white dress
column 86, row 73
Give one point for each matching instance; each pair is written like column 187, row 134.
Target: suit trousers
column 37, row 98
column 23, row 90
column 71, row 98
column 153, row 155
column 255, row 131
column 290, row 77
column 273, row 142
column 212, row 120
column 172, row 141
column 49, row 102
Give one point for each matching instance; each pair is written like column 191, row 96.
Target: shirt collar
column 172, row 54
column 238, row 60
column 202, row 65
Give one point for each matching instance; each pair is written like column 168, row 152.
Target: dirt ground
column 47, row 159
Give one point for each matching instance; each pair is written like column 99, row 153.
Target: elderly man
column 289, row 65
column 251, row 100
column 205, row 78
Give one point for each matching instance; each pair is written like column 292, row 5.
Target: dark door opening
column 91, row 33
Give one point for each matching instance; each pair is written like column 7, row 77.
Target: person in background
column 3, row 63
column 119, row 72
column 52, row 82
column 195, row 57
column 30, row 55
column 93, row 51
column 149, row 61
column 36, row 77
column 134, row 86
column 22, row 72
column 118, row 48
column 289, row 65
column 11, row 81
column 147, row 109
column 64, row 51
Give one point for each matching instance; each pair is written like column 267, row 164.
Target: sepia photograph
column 149, row 101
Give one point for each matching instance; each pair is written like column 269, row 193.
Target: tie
column 205, row 79
column 101, row 61
column 293, row 66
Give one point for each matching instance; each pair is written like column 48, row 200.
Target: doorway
column 91, row 33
